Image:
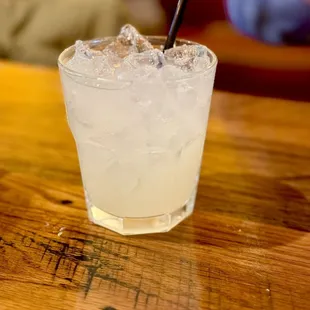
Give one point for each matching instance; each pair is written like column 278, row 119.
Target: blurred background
column 263, row 46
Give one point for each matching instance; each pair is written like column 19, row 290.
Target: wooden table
column 247, row 245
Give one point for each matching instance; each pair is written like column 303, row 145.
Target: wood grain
column 247, row 245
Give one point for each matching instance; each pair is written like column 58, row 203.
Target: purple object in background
column 272, row 21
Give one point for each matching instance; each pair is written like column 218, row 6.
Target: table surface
column 247, row 245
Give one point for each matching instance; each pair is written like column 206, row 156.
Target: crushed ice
column 131, row 56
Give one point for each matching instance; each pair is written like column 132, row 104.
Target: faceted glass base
column 137, row 226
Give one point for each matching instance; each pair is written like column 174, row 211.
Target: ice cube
column 128, row 41
column 188, row 57
column 131, row 36
column 82, row 50
column 139, row 73
column 119, row 49
column 82, row 58
column 154, row 58
column 91, row 62
column 141, row 65
column 170, row 72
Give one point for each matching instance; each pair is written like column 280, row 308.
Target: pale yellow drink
column 139, row 142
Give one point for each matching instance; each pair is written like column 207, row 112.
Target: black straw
column 176, row 23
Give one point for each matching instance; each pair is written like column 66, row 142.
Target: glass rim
column 62, row 65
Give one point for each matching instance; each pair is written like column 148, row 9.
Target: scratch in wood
column 189, row 285
column 137, row 294
column 105, row 239
column 82, row 276
column 110, row 252
column 91, row 260
column 160, row 283
column 49, row 261
column 110, row 284
column 26, row 237
column 88, row 257
column 61, row 254
column 100, row 248
column 7, row 243
column 23, row 238
column 32, row 240
column 74, row 269
column 180, row 279
column 86, row 242
column 136, row 299
column 129, row 286
column 82, row 257
column 91, row 273
column 46, row 247
column 70, row 267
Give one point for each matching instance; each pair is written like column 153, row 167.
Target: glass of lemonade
column 139, row 120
